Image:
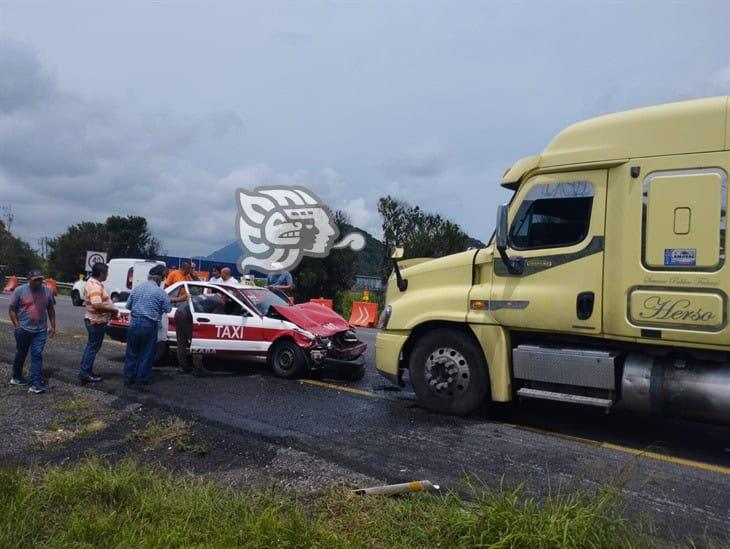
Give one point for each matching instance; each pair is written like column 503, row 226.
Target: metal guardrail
column 65, row 285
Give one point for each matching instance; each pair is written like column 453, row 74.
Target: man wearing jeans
column 99, row 311
column 147, row 303
column 30, row 304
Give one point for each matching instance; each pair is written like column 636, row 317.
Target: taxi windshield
column 261, row 298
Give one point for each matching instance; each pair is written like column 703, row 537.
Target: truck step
column 527, row 392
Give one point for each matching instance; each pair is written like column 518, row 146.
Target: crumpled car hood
column 314, row 318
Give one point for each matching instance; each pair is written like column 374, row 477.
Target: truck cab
column 605, row 284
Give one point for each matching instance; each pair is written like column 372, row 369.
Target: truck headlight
column 385, row 317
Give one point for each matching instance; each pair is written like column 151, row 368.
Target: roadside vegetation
column 127, row 505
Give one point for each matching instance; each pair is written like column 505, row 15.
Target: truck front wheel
column 448, row 372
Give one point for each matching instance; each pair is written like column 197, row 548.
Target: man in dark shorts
column 211, row 303
column 29, row 306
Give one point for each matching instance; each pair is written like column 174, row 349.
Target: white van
column 124, row 274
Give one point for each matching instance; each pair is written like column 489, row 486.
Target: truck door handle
column 203, row 319
column 584, row 305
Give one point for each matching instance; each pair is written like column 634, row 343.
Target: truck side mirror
column 502, row 212
column 396, row 253
column 515, row 265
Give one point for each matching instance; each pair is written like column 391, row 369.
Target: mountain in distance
column 368, row 260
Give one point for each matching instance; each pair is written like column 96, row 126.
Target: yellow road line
column 591, row 442
column 342, row 388
column 671, row 459
column 627, row 450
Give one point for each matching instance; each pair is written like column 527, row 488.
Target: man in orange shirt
column 185, row 272
column 99, row 310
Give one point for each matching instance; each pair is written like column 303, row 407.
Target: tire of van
column 287, row 360
column 114, row 297
column 76, row 299
column 448, row 372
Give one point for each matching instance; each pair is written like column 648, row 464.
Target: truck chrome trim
column 496, row 305
column 527, row 392
column 723, row 219
column 534, row 265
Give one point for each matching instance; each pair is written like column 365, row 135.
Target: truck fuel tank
column 675, row 386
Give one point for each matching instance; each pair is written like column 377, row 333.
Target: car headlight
column 305, row 333
column 385, row 317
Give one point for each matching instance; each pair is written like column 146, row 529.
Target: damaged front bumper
column 327, row 354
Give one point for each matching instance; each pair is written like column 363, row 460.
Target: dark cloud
column 23, row 82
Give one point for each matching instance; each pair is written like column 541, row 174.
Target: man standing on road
column 99, row 311
column 280, row 283
column 147, row 303
column 29, row 306
column 212, row 303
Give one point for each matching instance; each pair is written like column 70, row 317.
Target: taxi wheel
column 287, row 360
column 448, row 372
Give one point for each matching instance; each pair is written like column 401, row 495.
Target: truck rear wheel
column 448, row 372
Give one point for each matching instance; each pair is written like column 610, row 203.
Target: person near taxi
column 227, row 277
column 30, row 304
column 99, row 311
column 147, row 303
column 215, row 275
column 185, row 272
column 211, row 303
column 281, row 283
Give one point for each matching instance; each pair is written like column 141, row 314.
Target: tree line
column 420, row 233
column 118, row 236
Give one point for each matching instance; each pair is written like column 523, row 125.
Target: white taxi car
column 257, row 324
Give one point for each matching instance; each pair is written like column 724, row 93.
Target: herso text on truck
column 606, row 283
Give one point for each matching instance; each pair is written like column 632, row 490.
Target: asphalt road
column 675, row 472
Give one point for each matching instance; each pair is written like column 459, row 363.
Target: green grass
column 173, row 431
column 127, row 505
column 73, row 405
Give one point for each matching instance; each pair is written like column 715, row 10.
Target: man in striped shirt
column 147, row 303
column 99, row 311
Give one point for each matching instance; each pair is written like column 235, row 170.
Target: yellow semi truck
column 606, row 282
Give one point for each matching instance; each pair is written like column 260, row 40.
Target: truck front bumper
column 388, row 347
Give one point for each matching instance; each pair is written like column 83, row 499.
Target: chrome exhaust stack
column 678, row 387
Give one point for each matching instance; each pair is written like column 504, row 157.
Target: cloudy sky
column 162, row 109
